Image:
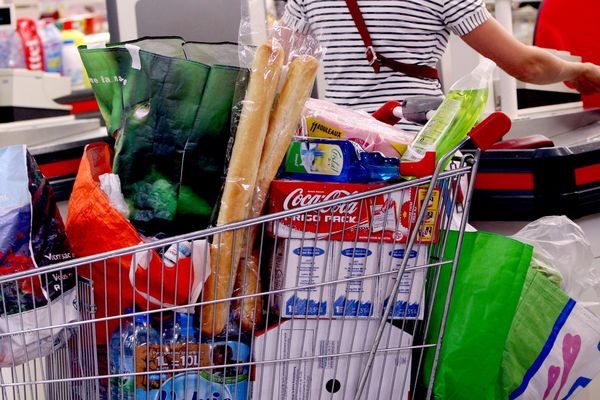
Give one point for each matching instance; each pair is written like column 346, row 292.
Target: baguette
column 247, row 312
column 241, row 179
column 282, row 125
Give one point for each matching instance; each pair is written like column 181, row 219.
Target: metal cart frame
column 76, row 371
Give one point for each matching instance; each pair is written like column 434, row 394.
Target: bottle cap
column 141, row 319
column 185, row 322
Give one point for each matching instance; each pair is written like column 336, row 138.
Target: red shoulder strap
column 377, row 60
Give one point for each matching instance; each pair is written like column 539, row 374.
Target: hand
column 587, row 78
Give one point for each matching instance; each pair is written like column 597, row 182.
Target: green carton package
column 168, row 104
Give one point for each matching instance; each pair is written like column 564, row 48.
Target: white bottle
column 72, row 65
column 53, row 45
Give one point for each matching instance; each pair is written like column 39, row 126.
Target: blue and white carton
column 356, row 264
column 410, row 298
column 303, row 267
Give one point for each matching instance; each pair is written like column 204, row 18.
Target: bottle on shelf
column 53, row 44
column 72, row 66
column 11, row 51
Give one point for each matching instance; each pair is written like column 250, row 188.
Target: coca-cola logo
column 298, row 198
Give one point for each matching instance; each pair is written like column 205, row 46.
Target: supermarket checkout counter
column 57, row 145
column 556, row 175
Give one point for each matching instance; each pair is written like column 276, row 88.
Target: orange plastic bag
column 96, row 227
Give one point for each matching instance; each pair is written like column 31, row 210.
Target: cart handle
column 419, row 169
column 490, row 130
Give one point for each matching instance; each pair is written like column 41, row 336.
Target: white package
column 357, row 297
column 299, row 263
column 410, row 300
column 335, row 377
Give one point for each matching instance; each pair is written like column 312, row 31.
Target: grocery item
column 336, row 161
column 116, row 348
column 366, row 275
column 409, row 300
column 131, row 356
column 11, row 50
column 357, row 297
column 226, row 380
column 297, row 359
column 247, row 312
column 33, row 49
column 72, row 62
column 52, row 43
column 32, row 236
column 282, row 125
column 324, row 119
column 302, row 263
column 382, row 218
column 240, row 182
column 455, row 117
column 72, row 66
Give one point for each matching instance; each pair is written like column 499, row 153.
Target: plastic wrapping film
column 324, row 119
column 247, row 312
column 240, row 181
column 32, row 236
column 270, row 114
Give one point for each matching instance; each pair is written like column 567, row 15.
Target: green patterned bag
column 168, row 103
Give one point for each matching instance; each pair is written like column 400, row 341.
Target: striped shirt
column 410, row 31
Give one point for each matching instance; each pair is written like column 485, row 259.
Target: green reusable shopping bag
column 553, row 347
column 169, row 105
column 488, row 284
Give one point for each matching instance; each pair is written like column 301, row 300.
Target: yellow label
column 319, row 129
column 399, row 147
column 429, row 223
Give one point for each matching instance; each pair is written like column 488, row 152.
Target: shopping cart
column 333, row 302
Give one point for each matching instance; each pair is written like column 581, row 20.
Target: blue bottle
column 125, row 328
column 330, row 160
column 133, row 333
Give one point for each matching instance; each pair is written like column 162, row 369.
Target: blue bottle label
column 225, row 382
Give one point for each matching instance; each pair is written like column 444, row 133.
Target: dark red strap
column 377, row 60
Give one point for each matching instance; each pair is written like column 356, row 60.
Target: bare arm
column 528, row 63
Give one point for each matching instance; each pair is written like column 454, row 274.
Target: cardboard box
column 379, row 218
column 300, row 263
column 410, row 301
column 335, row 377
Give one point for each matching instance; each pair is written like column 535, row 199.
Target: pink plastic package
column 324, row 119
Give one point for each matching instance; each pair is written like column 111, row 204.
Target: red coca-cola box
column 388, row 217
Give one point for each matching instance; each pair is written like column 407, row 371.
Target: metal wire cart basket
column 334, row 303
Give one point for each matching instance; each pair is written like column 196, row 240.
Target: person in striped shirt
column 417, row 32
